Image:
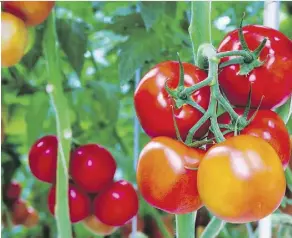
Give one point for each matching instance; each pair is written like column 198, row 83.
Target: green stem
column 213, row 228
column 243, row 53
column 157, row 217
column 185, row 225
column 64, row 134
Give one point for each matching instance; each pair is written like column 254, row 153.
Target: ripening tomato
column 241, row 179
column 92, row 167
column 79, row 203
column 19, row 212
column 268, row 126
column 43, row 158
column 153, row 103
column 32, row 12
column 13, row 39
column 97, row 227
column 13, row 191
column 163, row 176
column 32, row 218
column 273, row 79
column 116, row 204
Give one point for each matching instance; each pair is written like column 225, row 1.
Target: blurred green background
column 102, row 46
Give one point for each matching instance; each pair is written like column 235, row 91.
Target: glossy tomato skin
column 43, row 158
column 14, row 37
column 163, row 178
column 97, row 227
column 79, row 203
column 92, row 167
column 33, row 13
column 241, row 179
column 273, row 79
column 117, row 204
column 268, row 126
column 153, row 104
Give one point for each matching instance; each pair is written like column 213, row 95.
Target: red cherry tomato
column 43, row 158
column 241, row 179
column 164, row 179
column 92, row 167
column 153, row 103
column 97, row 227
column 273, row 79
column 268, row 126
column 32, row 12
column 79, row 203
column 19, row 212
column 13, row 191
column 32, row 218
column 117, row 204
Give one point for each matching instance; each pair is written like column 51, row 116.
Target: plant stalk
column 185, row 225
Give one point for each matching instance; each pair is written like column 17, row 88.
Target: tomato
column 241, row 179
column 116, row 204
column 19, row 212
column 79, row 203
column 153, row 103
column 92, row 167
column 13, row 39
column 32, row 218
column 163, row 178
column 268, row 126
column 273, row 79
column 97, row 227
column 33, row 13
column 13, row 191
column 43, row 158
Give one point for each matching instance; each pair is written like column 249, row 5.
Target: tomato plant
column 241, row 179
column 97, row 227
column 116, row 204
column 163, row 176
column 13, row 39
column 92, row 167
column 33, row 13
column 272, row 80
column 43, row 158
column 79, row 203
column 154, row 105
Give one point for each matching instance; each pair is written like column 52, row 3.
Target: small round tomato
column 154, row 105
column 117, row 204
column 167, row 175
column 13, row 191
column 19, row 212
column 272, row 80
column 241, row 179
column 79, row 203
column 32, row 218
column 43, row 158
column 97, row 227
column 268, row 126
column 13, row 39
column 33, row 13
column 92, row 167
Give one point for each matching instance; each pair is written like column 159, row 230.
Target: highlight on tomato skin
column 241, row 179
column 163, row 177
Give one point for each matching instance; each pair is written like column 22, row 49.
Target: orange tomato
column 32, row 218
column 33, row 13
column 19, row 212
column 97, row 227
column 13, row 39
column 241, row 179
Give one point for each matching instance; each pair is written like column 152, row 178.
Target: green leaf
column 285, row 111
column 151, row 12
column 37, row 112
column 73, row 40
column 140, row 47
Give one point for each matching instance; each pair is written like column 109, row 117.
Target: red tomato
column 13, row 191
column 268, row 126
column 116, row 204
column 97, row 227
column 273, row 79
column 43, row 158
column 241, row 179
column 92, row 167
column 79, row 203
column 32, row 218
column 19, row 212
column 163, row 178
column 32, row 12
column 14, row 37
column 153, row 103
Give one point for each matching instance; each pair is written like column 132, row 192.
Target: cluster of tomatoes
column 18, row 16
column 20, row 213
column 93, row 195
column 240, row 179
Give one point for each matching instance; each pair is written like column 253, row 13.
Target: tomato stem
column 246, row 54
column 185, row 225
column 64, row 134
column 213, row 228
